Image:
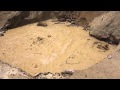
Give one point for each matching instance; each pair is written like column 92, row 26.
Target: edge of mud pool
column 18, row 73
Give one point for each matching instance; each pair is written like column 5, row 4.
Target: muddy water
column 54, row 48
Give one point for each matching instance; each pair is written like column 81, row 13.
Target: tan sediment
column 54, row 48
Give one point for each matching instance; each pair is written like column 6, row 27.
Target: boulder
column 106, row 27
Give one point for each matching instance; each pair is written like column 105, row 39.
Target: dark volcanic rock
column 80, row 18
column 2, row 33
column 44, row 24
column 107, row 27
column 12, row 19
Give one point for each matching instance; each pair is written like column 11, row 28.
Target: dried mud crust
column 54, row 48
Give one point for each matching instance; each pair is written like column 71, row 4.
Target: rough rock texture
column 8, row 72
column 81, row 18
column 12, row 19
column 49, row 75
column 107, row 27
column 107, row 69
column 42, row 23
column 85, row 17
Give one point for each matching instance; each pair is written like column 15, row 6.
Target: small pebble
column 49, row 36
column 109, row 56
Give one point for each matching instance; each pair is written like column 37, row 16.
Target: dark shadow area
column 25, row 17
column 108, row 40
